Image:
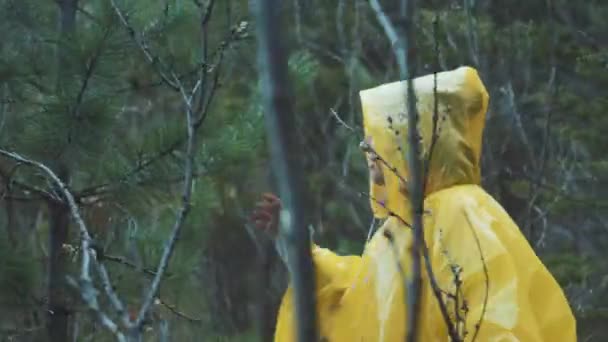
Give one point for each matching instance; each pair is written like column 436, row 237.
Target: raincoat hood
column 460, row 100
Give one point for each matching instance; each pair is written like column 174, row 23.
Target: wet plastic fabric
column 506, row 293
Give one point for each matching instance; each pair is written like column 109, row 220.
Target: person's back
column 493, row 285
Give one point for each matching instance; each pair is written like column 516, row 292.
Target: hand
column 265, row 217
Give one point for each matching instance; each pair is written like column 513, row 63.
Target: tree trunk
column 286, row 161
column 58, row 312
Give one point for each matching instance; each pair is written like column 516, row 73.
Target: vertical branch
column 486, row 275
column 182, row 214
column 171, row 79
column 435, row 129
column 388, row 235
column 405, row 54
column 417, row 202
column 552, row 89
column 281, row 126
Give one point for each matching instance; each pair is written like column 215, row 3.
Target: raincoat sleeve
column 498, row 289
column 333, row 275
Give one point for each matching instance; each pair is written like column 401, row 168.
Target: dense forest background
column 96, row 90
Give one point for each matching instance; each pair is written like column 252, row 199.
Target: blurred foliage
column 120, row 131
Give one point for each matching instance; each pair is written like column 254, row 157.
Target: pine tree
column 101, row 117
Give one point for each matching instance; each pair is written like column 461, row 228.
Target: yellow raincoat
column 506, row 294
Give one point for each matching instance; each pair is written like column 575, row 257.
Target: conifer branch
column 154, row 60
column 7, row 177
column 85, row 283
column 201, row 113
column 173, row 81
column 173, row 309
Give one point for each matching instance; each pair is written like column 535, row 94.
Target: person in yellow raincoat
column 494, row 286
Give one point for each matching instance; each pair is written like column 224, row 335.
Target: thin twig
column 97, row 190
column 391, row 240
column 91, row 64
column 123, row 261
column 191, row 126
column 90, row 68
column 235, row 34
column 437, row 293
column 435, row 128
column 154, row 60
column 391, row 33
column 181, row 216
column 383, row 205
column 335, row 114
column 370, row 232
column 367, row 148
column 111, row 294
column 173, row 81
column 93, row 305
column 402, row 56
column 205, row 17
column 70, row 201
column 9, row 182
column 179, row 313
column 552, row 89
column 486, row 278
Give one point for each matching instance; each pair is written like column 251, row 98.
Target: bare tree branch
column 435, row 128
column 218, row 55
column 179, row 313
column 152, row 59
column 335, row 114
column 182, row 214
column 173, row 81
column 85, row 283
column 123, row 261
column 391, row 240
column 7, row 177
column 553, row 91
column 366, row 147
column 486, row 278
column 404, row 54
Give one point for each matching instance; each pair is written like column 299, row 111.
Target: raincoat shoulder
column 508, row 292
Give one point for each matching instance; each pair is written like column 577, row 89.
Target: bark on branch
column 404, row 54
column 281, row 128
column 85, row 282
